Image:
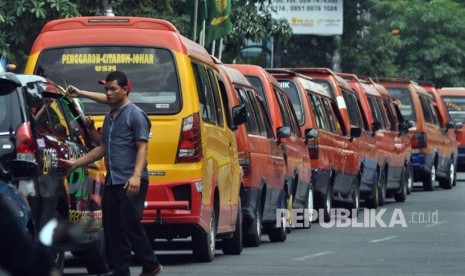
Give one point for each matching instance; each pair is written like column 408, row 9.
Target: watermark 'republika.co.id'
column 367, row 218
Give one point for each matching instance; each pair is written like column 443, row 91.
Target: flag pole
column 213, row 47
column 196, row 10
column 220, row 49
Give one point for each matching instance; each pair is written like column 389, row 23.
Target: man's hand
column 73, row 91
column 132, row 186
column 67, row 165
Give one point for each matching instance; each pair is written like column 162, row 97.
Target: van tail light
column 419, row 140
column 244, row 161
column 190, row 140
column 313, row 149
column 26, row 148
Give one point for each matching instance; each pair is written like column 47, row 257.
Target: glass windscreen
column 10, row 112
column 455, row 107
column 404, row 102
column 291, row 90
column 326, row 85
column 152, row 72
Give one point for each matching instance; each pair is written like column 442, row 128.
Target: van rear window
column 152, row 71
column 456, row 107
column 404, row 101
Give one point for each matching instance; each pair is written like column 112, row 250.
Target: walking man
column 124, row 143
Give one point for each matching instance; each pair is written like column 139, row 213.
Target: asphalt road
column 422, row 236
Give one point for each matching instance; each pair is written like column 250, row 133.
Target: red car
column 370, row 178
column 331, row 153
column 297, row 192
column 261, row 158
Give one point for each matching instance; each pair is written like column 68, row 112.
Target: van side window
column 318, row 112
column 206, row 102
column 251, row 124
column 376, row 112
column 224, row 98
column 287, row 113
column 216, row 96
column 353, row 109
column 428, row 112
column 257, row 84
column 259, row 106
column 332, row 119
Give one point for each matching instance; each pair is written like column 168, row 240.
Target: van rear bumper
column 176, row 204
column 422, row 164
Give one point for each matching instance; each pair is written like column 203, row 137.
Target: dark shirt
column 119, row 137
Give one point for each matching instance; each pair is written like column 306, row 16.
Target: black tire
column 448, row 183
column 279, row 234
column 96, row 259
column 255, row 238
column 233, row 246
column 410, row 179
column 58, row 257
column 309, row 206
column 429, row 181
column 401, row 195
column 355, row 205
column 382, row 188
column 373, row 200
column 203, row 244
column 327, row 203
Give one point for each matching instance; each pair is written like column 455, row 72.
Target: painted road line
column 312, row 256
column 435, row 224
column 384, row 239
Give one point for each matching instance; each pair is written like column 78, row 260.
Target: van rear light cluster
column 26, row 148
column 419, row 140
column 244, row 161
column 190, row 141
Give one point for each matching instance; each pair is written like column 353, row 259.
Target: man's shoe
column 154, row 272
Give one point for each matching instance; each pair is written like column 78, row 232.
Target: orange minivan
column 261, row 158
column 417, row 106
column 454, row 99
column 334, row 162
column 370, row 179
column 194, row 171
column 393, row 161
column 447, row 171
column 297, row 192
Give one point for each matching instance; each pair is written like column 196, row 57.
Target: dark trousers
column 123, row 230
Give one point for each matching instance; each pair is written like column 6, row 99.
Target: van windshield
column 456, row 107
column 291, row 90
column 152, row 71
column 404, row 101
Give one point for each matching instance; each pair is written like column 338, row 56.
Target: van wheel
column 233, row 246
column 382, row 189
column 401, row 195
column 309, row 206
column 96, row 262
column 203, row 244
column 254, row 239
column 58, row 257
column 410, row 179
column 373, row 200
column 327, row 203
column 449, row 181
column 430, row 180
column 355, row 205
column 279, row 234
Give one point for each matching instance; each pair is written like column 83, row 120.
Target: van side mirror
column 311, row 133
column 403, row 127
column 22, row 169
column 375, row 126
column 239, row 114
column 355, row 132
column 284, row 132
